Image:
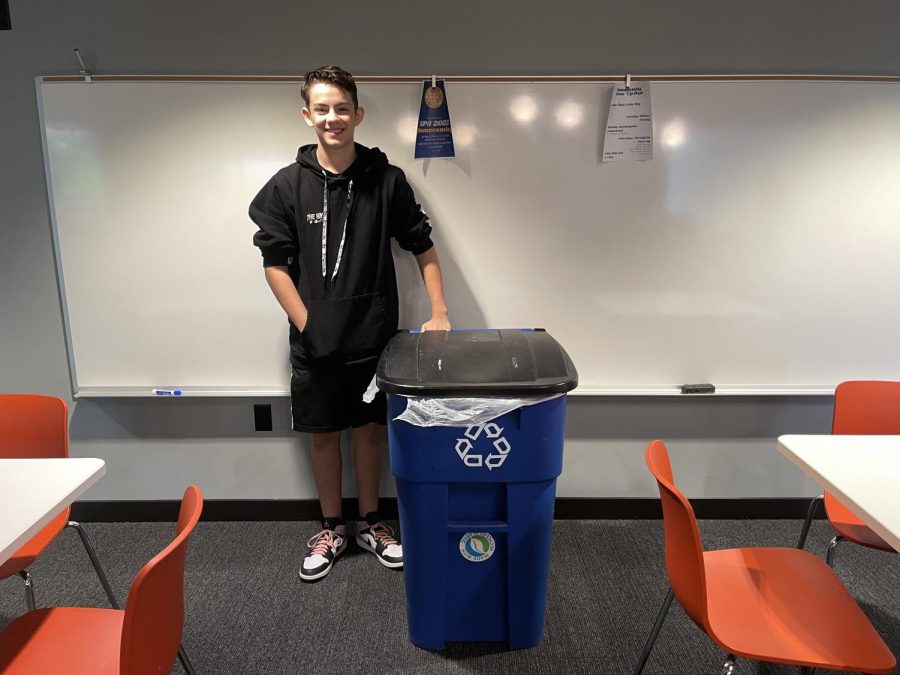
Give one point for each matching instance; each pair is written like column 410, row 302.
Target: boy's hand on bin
column 437, row 322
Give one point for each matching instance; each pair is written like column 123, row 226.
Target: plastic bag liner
column 461, row 412
column 455, row 412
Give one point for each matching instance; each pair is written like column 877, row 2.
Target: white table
column 863, row 472
column 34, row 491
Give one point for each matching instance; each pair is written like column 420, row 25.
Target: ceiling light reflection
column 406, row 129
column 570, row 114
column 524, row 109
column 464, row 135
column 673, row 134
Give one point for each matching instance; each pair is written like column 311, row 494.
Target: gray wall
column 721, row 446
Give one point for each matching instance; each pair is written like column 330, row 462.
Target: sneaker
column 373, row 535
column 324, row 548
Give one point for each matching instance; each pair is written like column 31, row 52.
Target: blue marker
column 167, row 392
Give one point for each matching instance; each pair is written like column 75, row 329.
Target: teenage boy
column 325, row 228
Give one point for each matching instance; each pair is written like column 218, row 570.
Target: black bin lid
column 476, row 363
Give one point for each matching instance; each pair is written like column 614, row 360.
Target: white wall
column 721, row 447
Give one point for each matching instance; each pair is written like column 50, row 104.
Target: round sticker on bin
column 478, row 438
column 477, row 546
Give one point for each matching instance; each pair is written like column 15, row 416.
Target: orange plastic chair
column 37, row 426
column 860, row 408
column 142, row 638
column 781, row 605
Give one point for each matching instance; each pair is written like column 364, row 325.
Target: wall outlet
column 262, row 416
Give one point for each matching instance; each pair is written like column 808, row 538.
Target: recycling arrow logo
column 478, row 438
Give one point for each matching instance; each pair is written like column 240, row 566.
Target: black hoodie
column 333, row 233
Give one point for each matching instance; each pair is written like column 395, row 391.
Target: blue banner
column 434, row 137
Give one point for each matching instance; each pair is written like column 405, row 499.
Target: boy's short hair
column 330, row 75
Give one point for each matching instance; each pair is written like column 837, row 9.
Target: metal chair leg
column 95, row 561
column 829, row 553
column 29, row 590
column 728, row 666
column 185, row 661
column 660, row 617
column 810, row 514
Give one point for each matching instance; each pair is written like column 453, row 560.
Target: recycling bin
column 476, row 499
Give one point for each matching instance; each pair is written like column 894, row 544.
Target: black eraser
column 704, row 388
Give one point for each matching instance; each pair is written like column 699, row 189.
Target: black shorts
column 329, row 398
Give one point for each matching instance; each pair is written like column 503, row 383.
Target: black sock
column 332, row 522
column 371, row 518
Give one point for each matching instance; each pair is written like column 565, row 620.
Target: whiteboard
column 758, row 250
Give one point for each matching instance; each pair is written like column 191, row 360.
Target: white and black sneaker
column 373, row 535
column 324, row 548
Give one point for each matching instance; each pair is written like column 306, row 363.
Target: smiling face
column 333, row 115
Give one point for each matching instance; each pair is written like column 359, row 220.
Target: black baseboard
column 567, row 508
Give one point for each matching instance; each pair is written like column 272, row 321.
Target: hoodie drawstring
column 340, row 253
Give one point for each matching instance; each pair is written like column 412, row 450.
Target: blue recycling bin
column 476, row 501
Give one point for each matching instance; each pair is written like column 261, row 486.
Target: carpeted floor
column 248, row 612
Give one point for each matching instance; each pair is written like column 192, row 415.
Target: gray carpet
column 248, row 612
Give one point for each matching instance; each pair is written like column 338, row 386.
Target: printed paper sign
column 434, row 137
column 629, row 127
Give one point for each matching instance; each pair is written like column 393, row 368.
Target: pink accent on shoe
column 322, row 541
column 383, row 534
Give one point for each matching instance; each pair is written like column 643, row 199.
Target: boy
column 325, row 225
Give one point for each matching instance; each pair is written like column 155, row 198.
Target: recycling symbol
column 490, row 434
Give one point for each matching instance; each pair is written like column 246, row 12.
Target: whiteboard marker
column 702, row 388
column 167, row 392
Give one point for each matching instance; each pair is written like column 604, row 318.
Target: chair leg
column 660, row 617
column 829, row 553
column 728, row 666
column 185, row 661
column 29, row 590
column 810, row 514
column 95, row 561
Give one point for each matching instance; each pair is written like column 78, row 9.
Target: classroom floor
column 248, row 612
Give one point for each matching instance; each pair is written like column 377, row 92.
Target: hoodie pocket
column 342, row 330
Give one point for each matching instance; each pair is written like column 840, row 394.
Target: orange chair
column 860, row 408
column 142, row 638
column 37, row 426
column 780, row 605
